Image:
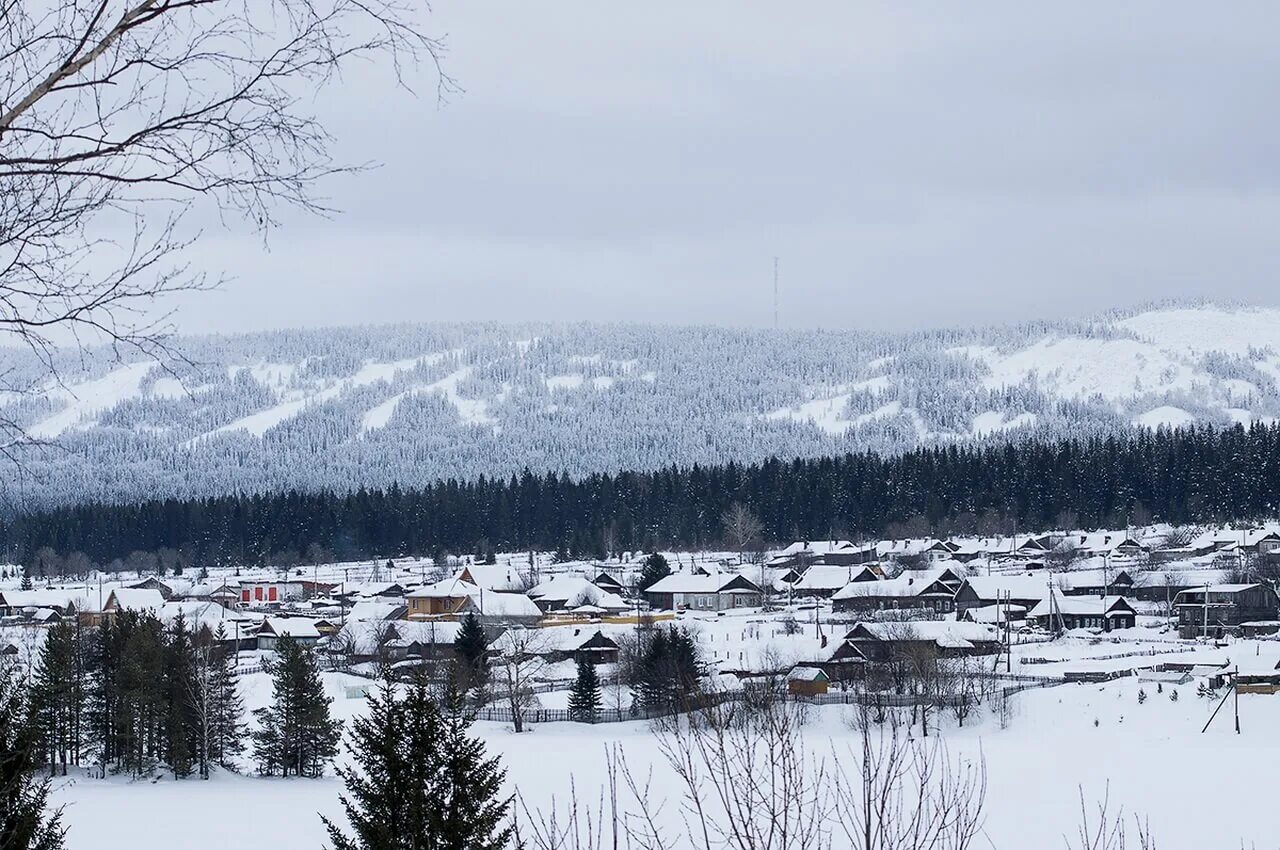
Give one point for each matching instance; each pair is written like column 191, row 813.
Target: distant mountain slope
column 342, row 407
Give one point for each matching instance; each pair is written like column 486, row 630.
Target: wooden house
column 933, row 591
column 718, row 592
column 879, row 642
column 1223, row 608
column 1084, row 612
column 981, row 591
column 807, row 681
column 301, row 629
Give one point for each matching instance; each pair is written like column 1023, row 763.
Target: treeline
column 1196, row 474
column 134, row 696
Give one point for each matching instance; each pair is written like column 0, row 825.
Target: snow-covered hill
column 341, row 407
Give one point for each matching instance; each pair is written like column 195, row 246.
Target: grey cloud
column 912, row 164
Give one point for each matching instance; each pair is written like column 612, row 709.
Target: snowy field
column 1199, row 791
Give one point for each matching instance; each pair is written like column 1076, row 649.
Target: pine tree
column 227, row 728
column 26, row 582
column 472, row 648
column 24, row 822
column 57, row 698
column 585, row 698
column 296, row 735
column 182, row 720
column 668, row 671
column 655, row 569
column 421, row 782
column 475, row 815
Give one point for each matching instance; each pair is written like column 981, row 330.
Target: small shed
column 807, row 681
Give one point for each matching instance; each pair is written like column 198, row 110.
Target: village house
column 455, row 598
column 807, row 681
column 494, row 578
column 932, row 591
column 1219, row 609
column 26, row 604
column 1084, row 612
column 880, row 642
column 717, row 592
column 564, row 593
column 131, row 599
column 1095, row 582
column 823, row 581
column 301, row 629
column 837, row 553
column 268, row 592
column 606, row 582
column 1164, row 585
column 981, row 591
column 170, row 588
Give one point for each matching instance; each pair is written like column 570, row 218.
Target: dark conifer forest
column 1187, row 475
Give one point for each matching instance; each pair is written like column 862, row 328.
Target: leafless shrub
column 119, row 117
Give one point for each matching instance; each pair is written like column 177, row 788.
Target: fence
column 877, row 699
column 1146, row 653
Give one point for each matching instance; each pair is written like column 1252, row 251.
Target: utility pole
column 1235, row 687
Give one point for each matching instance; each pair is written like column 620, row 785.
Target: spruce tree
column 584, row 698
column 655, row 569
column 471, row 647
column 182, row 721
column 57, row 698
column 26, row 582
column 24, row 822
column 667, row 671
column 296, row 735
column 227, row 728
column 420, row 781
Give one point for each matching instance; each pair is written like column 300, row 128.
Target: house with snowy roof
column 301, row 629
column 23, row 603
column 879, row 642
column 980, row 591
column 134, row 599
column 1219, row 609
column 1107, row 613
column 804, row 553
column 1095, row 582
column 496, row 578
column 455, row 598
column 823, row 580
column 715, row 592
column 932, row 590
column 561, row 643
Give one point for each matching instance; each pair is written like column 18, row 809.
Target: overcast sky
column 911, row 165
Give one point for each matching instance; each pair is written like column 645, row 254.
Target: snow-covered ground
column 1198, row 790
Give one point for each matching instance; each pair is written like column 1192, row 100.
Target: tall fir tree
column 227, row 729
column 295, row 736
column 655, row 569
column 420, row 781
column 584, row 698
column 25, row 822
column 472, row 648
column 58, row 698
column 182, row 720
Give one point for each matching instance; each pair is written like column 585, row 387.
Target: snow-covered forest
column 335, row 408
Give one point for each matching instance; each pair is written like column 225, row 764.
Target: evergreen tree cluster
column 135, row 695
column 1185, row 475
column 667, row 670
